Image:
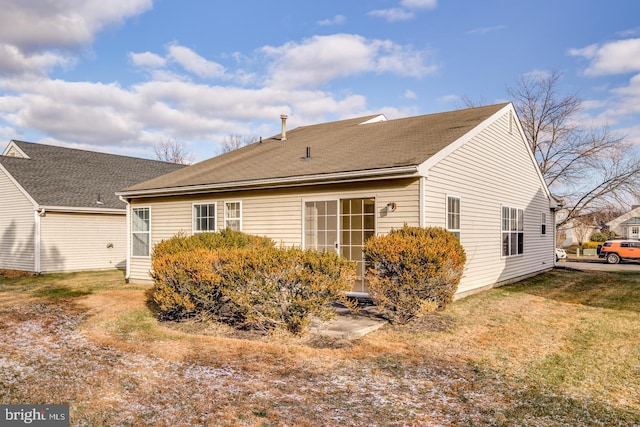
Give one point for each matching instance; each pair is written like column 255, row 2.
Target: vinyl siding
column 276, row 213
column 17, row 227
column 486, row 175
column 76, row 242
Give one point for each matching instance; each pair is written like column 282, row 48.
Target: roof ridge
column 82, row 150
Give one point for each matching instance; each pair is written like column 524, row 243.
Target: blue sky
column 123, row 75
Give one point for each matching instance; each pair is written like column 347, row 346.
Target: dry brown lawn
column 559, row 349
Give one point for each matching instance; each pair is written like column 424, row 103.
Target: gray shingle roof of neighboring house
column 346, row 146
column 67, row 177
column 632, row 221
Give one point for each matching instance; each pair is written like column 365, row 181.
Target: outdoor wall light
column 391, row 207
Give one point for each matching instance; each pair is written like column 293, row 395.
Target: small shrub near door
column 254, row 287
column 413, row 270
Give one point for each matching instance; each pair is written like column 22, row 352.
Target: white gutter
column 83, row 210
column 295, row 181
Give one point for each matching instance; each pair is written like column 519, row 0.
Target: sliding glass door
column 356, row 224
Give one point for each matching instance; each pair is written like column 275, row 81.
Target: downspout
column 421, row 209
column 39, row 213
column 554, row 207
column 127, row 273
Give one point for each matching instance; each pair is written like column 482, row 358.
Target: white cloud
column 449, row 99
column 195, row 63
column 631, row 32
column 108, row 115
column 486, row 30
column 409, row 94
column 187, row 59
column 393, row 14
column 147, row 60
column 6, row 134
column 319, row 59
column 15, row 61
column 419, row 4
column 405, row 12
column 72, row 111
column 631, row 134
column 40, row 35
column 616, row 57
column 323, row 58
column 401, row 60
column 36, row 25
column 336, row 20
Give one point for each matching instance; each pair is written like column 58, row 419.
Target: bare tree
column 583, row 226
column 235, row 141
column 561, row 236
column 173, row 151
column 586, row 167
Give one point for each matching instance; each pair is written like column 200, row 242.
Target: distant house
column 575, row 232
column 333, row 185
column 58, row 208
column 627, row 225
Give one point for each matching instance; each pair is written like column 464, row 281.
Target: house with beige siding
column 331, row 186
column 58, row 208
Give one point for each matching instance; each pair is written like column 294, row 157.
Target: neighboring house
column 627, row 225
column 575, row 232
column 331, row 186
column 58, row 208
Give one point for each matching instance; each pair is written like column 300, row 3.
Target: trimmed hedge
column 591, row 245
column 257, row 287
column 224, row 239
column 413, row 270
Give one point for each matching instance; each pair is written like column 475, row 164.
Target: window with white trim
column 453, row 215
column 233, row 215
column 543, row 223
column 140, row 232
column 204, row 217
column 512, row 231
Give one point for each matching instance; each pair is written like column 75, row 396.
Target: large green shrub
column 602, row 236
column 253, row 287
column 412, row 270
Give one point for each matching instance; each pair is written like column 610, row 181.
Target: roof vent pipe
column 283, row 136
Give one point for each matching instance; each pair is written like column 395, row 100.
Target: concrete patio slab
column 348, row 326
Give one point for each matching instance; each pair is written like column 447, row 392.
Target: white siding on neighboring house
column 276, row 213
column 17, row 227
column 82, row 241
column 626, row 231
column 487, row 175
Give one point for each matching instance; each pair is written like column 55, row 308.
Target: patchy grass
column 559, row 349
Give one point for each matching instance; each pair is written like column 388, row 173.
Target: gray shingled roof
column 632, row 221
column 337, row 147
column 66, row 177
